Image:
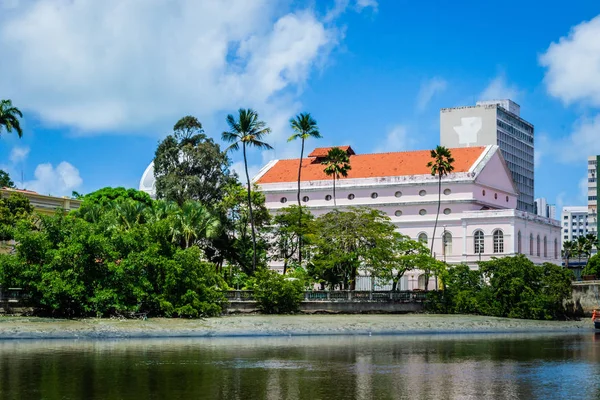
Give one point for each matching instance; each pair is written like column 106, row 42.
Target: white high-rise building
column 574, row 222
column 551, row 211
column 593, row 194
column 543, row 209
column 495, row 122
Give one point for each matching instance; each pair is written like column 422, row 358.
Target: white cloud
column 59, row 181
column 397, row 139
column 123, row 65
column 340, row 6
column 429, row 89
column 361, row 4
column 583, row 190
column 18, row 154
column 573, row 65
column 581, row 143
column 499, row 89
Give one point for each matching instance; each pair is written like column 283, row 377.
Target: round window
column 447, row 211
column 305, row 199
column 398, row 213
column 374, row 195
column 283, row 200
column 398, row 194
column 328, row 197
column 422, row 211
column 422, row 193
column 447, row 191
column 351, row 196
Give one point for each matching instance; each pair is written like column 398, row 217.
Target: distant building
column 593, row 194
column 477, row 221
column 574, row 223
column 542, row 208
column 495, row 122
column 43, row 204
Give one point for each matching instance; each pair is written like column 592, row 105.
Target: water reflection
column 383, row 367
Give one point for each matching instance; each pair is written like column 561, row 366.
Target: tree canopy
column 5, row 180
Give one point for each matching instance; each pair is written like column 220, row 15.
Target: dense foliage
column 114, row 265
column 511, row 287
column 5, row 180
column 277, row 294
column 593, row 266
column 14, row 209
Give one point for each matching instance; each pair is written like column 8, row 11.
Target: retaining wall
column 585, row 299
column 335, row 307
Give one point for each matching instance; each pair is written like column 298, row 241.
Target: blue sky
column 100, row 83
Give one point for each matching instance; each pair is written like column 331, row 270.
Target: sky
column 101, row 83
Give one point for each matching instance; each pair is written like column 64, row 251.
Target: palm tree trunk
column 250, row 210
column 334, row 203
column 300, row 208
column 437, row 216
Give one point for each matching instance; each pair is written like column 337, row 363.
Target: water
column 355, row 367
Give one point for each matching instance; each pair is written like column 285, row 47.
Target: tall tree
column 568, row 250
column 248, row 131
column 193, row 222
column 9, row 117
column 190, row 166
column 440, row 165
column 304, row 127
column 337, row 163
column 5, row 180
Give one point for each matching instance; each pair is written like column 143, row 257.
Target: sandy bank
column 262, row 325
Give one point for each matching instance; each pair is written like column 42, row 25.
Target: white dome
column 147, row 183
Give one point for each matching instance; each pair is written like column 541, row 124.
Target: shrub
column 276, row 294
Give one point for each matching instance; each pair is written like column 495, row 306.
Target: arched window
column 545, row 247
column 421, row 281
column 478, row 242
column 519, row 249
column 538, row 245
column 555, row 248
column 531, row 244
column 498, row 241
column 422, row 237
column 447, row 242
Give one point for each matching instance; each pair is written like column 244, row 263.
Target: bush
column 276, row 294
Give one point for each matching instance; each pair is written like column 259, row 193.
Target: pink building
column 478, row 217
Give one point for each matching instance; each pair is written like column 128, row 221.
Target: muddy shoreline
column 267, row 325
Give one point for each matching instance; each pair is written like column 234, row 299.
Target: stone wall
column 586, row 298
column 335, row 307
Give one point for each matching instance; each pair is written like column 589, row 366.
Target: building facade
column 43, row 204
column 478, row 216
column 575, row 223
column 593, row 194
column 542, row 208
column 495, row 122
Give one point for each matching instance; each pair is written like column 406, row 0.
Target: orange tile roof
column 322, row 151
column 370, row 165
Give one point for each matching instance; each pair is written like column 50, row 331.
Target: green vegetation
column 511, row 287
column 9, row 118
column 277, row 294
column 5, row 180
column 581, row 248
column 337, row 163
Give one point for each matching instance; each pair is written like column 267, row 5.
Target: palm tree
column 9, row 117
column 441, row 165
column 193, row 221
column 304, row 127
column 567, row 251
column 249, row 131
column 581, row 247
column 337, row 163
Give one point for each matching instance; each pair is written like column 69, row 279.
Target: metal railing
column 344, row 296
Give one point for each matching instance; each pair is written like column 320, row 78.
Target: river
column 465, row 366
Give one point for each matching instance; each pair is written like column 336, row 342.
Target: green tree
column 404, row 255
column 569, row 250
column 194, row 222
column 304, row 127
column 288, row 225
column 14, row 209
column 593, row 266
column 440, row 165
column 9, row 118
column 350, row 240
column 337, row 163
column 5, row 180
column 190, row 166
column 248, row 131
column 276, row 294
